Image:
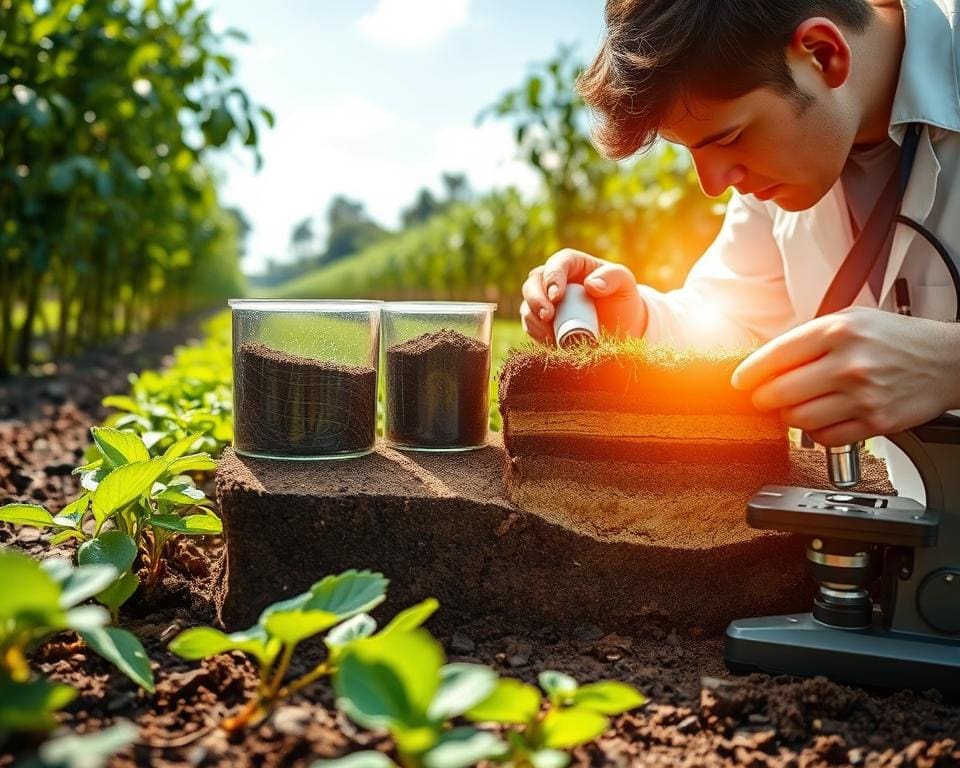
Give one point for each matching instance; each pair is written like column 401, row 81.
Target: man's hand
column 612, row 287
column 856, row 374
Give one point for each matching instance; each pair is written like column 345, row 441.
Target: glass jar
column 436, row 360
column 305, row 378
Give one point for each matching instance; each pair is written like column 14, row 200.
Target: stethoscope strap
column 872, row 240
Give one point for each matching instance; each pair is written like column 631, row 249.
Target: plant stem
column 302, row 682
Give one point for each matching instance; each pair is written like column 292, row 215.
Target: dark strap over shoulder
column 857, row 266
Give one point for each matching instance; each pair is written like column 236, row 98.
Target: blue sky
column 375, row 98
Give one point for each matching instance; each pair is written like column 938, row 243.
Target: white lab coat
column 768, row 269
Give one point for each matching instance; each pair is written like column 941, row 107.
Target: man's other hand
column 856, row 374
column 612, row 287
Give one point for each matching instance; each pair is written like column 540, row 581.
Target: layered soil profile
column 634, row 403
column 441, row 525
column 436, row 393
column 287, row 405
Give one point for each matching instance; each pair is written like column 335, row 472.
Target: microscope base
column 874, row 657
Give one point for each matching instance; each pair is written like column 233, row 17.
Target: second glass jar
column 436, row 364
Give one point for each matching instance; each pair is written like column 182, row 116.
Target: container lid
column 439, row 307
column 306, row 305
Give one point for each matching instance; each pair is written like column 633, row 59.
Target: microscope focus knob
column 938, row 600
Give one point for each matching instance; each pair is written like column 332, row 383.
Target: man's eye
column 730, row 140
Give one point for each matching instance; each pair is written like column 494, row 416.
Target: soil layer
column 437, row 389
column 441, row 525
column 655, row 407
column 286, row 405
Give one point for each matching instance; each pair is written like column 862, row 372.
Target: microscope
column 887, row 613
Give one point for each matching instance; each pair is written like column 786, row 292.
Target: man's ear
column 820, row 44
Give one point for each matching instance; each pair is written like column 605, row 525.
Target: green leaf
column 183, row 495
column 91, row 750
column 549, row 758
column 367, row 759
column 84, row 617
column 355, row 628
column 389, row 681
column 202, row 642
column 124, row 651
column 181, row 446
column 114, row 548
column 121, row 402
column 512, row 702
column 119, row 550
column 146, row 54
column 76, row 508
column 27, row 514
column 291, row 627
column 412, row 617
column 119, row 592
column 29, row 706
column 570, row 727
column 66, row 535
column 125, row 485
column 608, row 697
column 85, row 581
column 196, row 462
column 462, row 686
column 463, row 747
column 558, row 686
column 348, row 593
column 119, row 448
column 192, row 525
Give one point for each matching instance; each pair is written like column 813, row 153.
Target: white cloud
column 355, row 147
column 408, row 24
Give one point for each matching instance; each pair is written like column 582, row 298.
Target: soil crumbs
column 698, row 714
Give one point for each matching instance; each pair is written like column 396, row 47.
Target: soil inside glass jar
column 287, row 405
column 437, row 391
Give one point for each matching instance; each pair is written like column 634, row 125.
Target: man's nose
column 716, row 176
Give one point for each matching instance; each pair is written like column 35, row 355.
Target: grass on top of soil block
column 633, row 351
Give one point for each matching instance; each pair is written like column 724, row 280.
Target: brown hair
column 656, row 51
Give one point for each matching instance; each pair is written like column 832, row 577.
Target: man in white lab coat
column 801, row 106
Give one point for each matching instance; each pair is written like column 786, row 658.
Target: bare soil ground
column 698, row 714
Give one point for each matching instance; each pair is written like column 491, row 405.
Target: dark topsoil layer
column 436, row 391
column 287, row 405
column 645, row 380
column 692, row 720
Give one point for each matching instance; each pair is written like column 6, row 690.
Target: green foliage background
column 108, row 213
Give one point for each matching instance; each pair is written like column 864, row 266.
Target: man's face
column 786, row 148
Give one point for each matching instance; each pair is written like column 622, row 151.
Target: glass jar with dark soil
column 305, row 378
column 436, row 360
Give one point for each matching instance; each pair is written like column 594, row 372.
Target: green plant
column 109, row 111
column 575, row 715
column 38, row 601
column 148, row 501
column 191, row 396
column 336, row 605
column 91, row 750
column 400, row 683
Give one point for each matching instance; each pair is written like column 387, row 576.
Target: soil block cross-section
column 441, row 525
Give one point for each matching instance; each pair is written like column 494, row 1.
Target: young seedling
column 399, row 681
column 399, row 684
column 336, row 605
column 38, row 601
column 574, row 715
column 147, row 501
